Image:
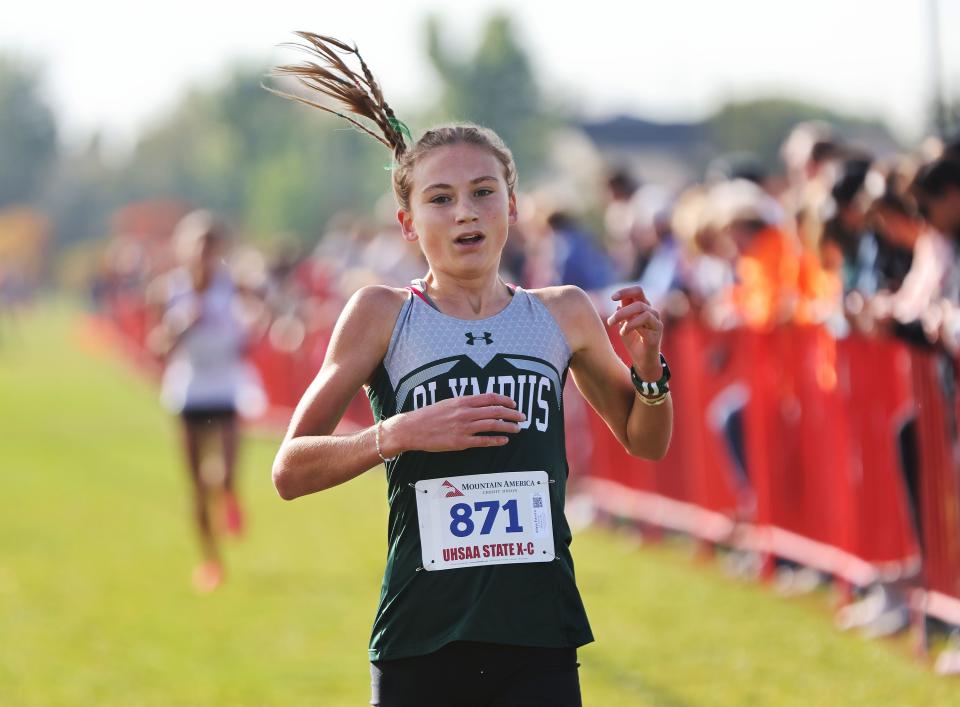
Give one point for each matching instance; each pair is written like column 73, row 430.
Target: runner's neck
column 423, row 289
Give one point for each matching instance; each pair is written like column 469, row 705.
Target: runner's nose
column 466, row 214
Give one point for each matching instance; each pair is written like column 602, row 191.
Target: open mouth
column 470, row 238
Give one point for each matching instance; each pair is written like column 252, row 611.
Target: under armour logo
column 487, row 338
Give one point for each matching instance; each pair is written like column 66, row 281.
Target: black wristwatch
column 657, row 388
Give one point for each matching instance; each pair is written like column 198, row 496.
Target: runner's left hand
column 641, row 330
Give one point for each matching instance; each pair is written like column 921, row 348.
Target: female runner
column 465, row 375
column 205, row 376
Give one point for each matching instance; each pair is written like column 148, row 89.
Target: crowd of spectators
column 838, row 237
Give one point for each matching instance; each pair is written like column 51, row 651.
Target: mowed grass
column 96, row 553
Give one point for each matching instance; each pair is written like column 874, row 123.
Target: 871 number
column 461, row 514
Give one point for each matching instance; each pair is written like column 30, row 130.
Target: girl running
column 205, row 375
column 465, row 375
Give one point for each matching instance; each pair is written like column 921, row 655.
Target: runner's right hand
column 453, row 424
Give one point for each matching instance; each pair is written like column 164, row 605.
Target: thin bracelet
column 653, row 402
column 377, row 437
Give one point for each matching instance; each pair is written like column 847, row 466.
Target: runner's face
column 460, row 209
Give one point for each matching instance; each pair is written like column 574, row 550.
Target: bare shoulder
column 563, row 298
column 379, row 298
column 358, row 344
column 573, row 310
column 371, row 313
column 362, row 333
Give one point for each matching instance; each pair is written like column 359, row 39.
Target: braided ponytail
column 360, row 93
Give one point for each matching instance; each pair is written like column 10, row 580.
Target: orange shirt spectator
column 768, row 270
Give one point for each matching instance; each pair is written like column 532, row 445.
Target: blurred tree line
column 759, row 126
column 273, row 167
column 28, row 135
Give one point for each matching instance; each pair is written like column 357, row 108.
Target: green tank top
column 520, row 352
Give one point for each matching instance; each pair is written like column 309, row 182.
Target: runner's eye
column 440, row 199
column 483, row 192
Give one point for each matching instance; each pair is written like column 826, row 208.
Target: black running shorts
column 209, row 414
column 468, row 674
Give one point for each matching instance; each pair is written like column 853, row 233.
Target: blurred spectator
column 768, row 264
column 578, row 261
column 630, row 233
column 618, row 218
column 706, row 268
column 886, row 256
column 937, row 188
column 658, row 270
column 845, row 226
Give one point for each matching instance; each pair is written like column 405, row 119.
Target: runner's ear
column 406, row 225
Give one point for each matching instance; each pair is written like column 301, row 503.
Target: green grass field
column 96, row 606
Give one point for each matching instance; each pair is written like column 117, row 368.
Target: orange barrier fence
column 840, row 455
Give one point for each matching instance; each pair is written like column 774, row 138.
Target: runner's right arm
column 311, row 458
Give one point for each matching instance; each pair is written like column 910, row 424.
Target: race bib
column 485, row 519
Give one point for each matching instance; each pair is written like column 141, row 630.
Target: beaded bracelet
column 379, row 452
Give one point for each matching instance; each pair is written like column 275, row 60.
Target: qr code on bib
column 541, row 523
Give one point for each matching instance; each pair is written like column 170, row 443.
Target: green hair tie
column 401, row 128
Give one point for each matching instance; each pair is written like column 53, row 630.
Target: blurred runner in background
column 206, row 380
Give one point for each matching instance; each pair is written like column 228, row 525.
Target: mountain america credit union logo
column 451, row 490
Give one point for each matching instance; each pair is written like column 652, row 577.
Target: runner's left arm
column 604, row 380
